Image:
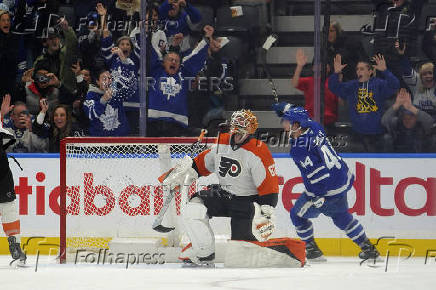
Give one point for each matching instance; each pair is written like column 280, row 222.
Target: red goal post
column 109, row 187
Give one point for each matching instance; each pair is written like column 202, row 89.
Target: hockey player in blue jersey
column 327, row 180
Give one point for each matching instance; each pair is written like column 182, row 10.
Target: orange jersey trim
column 201, row 165
column 271, row 182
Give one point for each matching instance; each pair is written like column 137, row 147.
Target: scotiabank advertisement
column 391, row 197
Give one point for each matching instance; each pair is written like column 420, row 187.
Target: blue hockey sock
column 355, row 232
column 305, row 231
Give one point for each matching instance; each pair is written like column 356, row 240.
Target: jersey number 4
column 331, row 159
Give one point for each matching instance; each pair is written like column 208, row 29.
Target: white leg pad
column 9, row 211
column 241, row 254
column 198, row 229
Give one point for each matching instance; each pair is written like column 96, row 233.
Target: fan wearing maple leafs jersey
column 327, row 179
column 104, row 102
column 247, row 191
column 168, row 88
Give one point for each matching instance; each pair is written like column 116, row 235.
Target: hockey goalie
column 247, row 193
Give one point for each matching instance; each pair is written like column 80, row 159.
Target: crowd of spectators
column 391, row 104
column 79, row 75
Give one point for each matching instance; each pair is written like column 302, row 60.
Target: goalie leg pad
column 196, row 222
column 278, row 253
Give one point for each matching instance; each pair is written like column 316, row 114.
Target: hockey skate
column 16, row 252
column 313, row 253
column 368, row 251
column 189, row 258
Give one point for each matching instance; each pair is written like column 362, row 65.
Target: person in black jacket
column 396, row 20
column 350, row 49
column 59, row 126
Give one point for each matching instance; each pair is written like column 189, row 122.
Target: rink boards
column 394, row 196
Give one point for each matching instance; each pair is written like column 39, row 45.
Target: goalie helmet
column 244, row 122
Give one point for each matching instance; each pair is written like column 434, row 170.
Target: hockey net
column 110, row 190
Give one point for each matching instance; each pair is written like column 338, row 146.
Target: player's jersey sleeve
column 205, row 162
column 264, row 171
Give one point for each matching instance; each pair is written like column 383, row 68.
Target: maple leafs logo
column 110, row 119
column 170, row 88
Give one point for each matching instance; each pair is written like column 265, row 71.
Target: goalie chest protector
column 245, row 171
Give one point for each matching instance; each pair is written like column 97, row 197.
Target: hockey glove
column 262, row 225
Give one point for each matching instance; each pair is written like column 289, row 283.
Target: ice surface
column 337, row 273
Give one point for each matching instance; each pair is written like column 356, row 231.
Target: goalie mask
column 243, row 122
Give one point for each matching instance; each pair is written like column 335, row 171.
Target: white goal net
column 110, row 190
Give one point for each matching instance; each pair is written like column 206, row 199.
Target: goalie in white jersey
column 247, row 191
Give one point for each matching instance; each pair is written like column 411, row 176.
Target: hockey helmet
column 243, row 121
column 298, row 114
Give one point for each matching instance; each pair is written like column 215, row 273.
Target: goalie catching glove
column 262, row 225
column 177, row 175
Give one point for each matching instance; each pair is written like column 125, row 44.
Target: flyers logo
column 230, row 166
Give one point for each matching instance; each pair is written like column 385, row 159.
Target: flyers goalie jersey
column 245, row 170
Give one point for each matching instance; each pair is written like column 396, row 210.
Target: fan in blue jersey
column 327, row 180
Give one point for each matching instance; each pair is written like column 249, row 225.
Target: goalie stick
column 266, row 46
column 157, row 224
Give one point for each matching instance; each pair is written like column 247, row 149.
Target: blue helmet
column 300, row 115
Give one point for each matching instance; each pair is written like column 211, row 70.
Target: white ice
column 337, row 273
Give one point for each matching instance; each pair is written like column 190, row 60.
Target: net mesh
column 113, row 191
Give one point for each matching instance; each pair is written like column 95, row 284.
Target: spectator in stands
column 125, row 44
column 408, row 128
column 40, row 83
column 59, row 57
column 8, row 55
column 59, row 126
column 167, row 107
column 19, row 123
column 365, row 97
column 429, row 42
column 83, row 77
column 395, row 20
column 175, row 20
column 104, row 101
column 215, row 84
column 350, row 49
column 422, row 83
column 90, row 35
column 306, row 85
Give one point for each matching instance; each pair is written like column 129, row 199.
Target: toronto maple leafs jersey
column 324, row 172
column 168, row 93
column 248, row 170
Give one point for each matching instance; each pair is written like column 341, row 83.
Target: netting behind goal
column 110, row 188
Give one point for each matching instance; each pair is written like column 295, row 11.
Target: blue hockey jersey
column 324, row 172
column 180, row 23
column 167, row 95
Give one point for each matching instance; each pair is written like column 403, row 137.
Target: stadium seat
column 235, row 49
column 244, row 23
